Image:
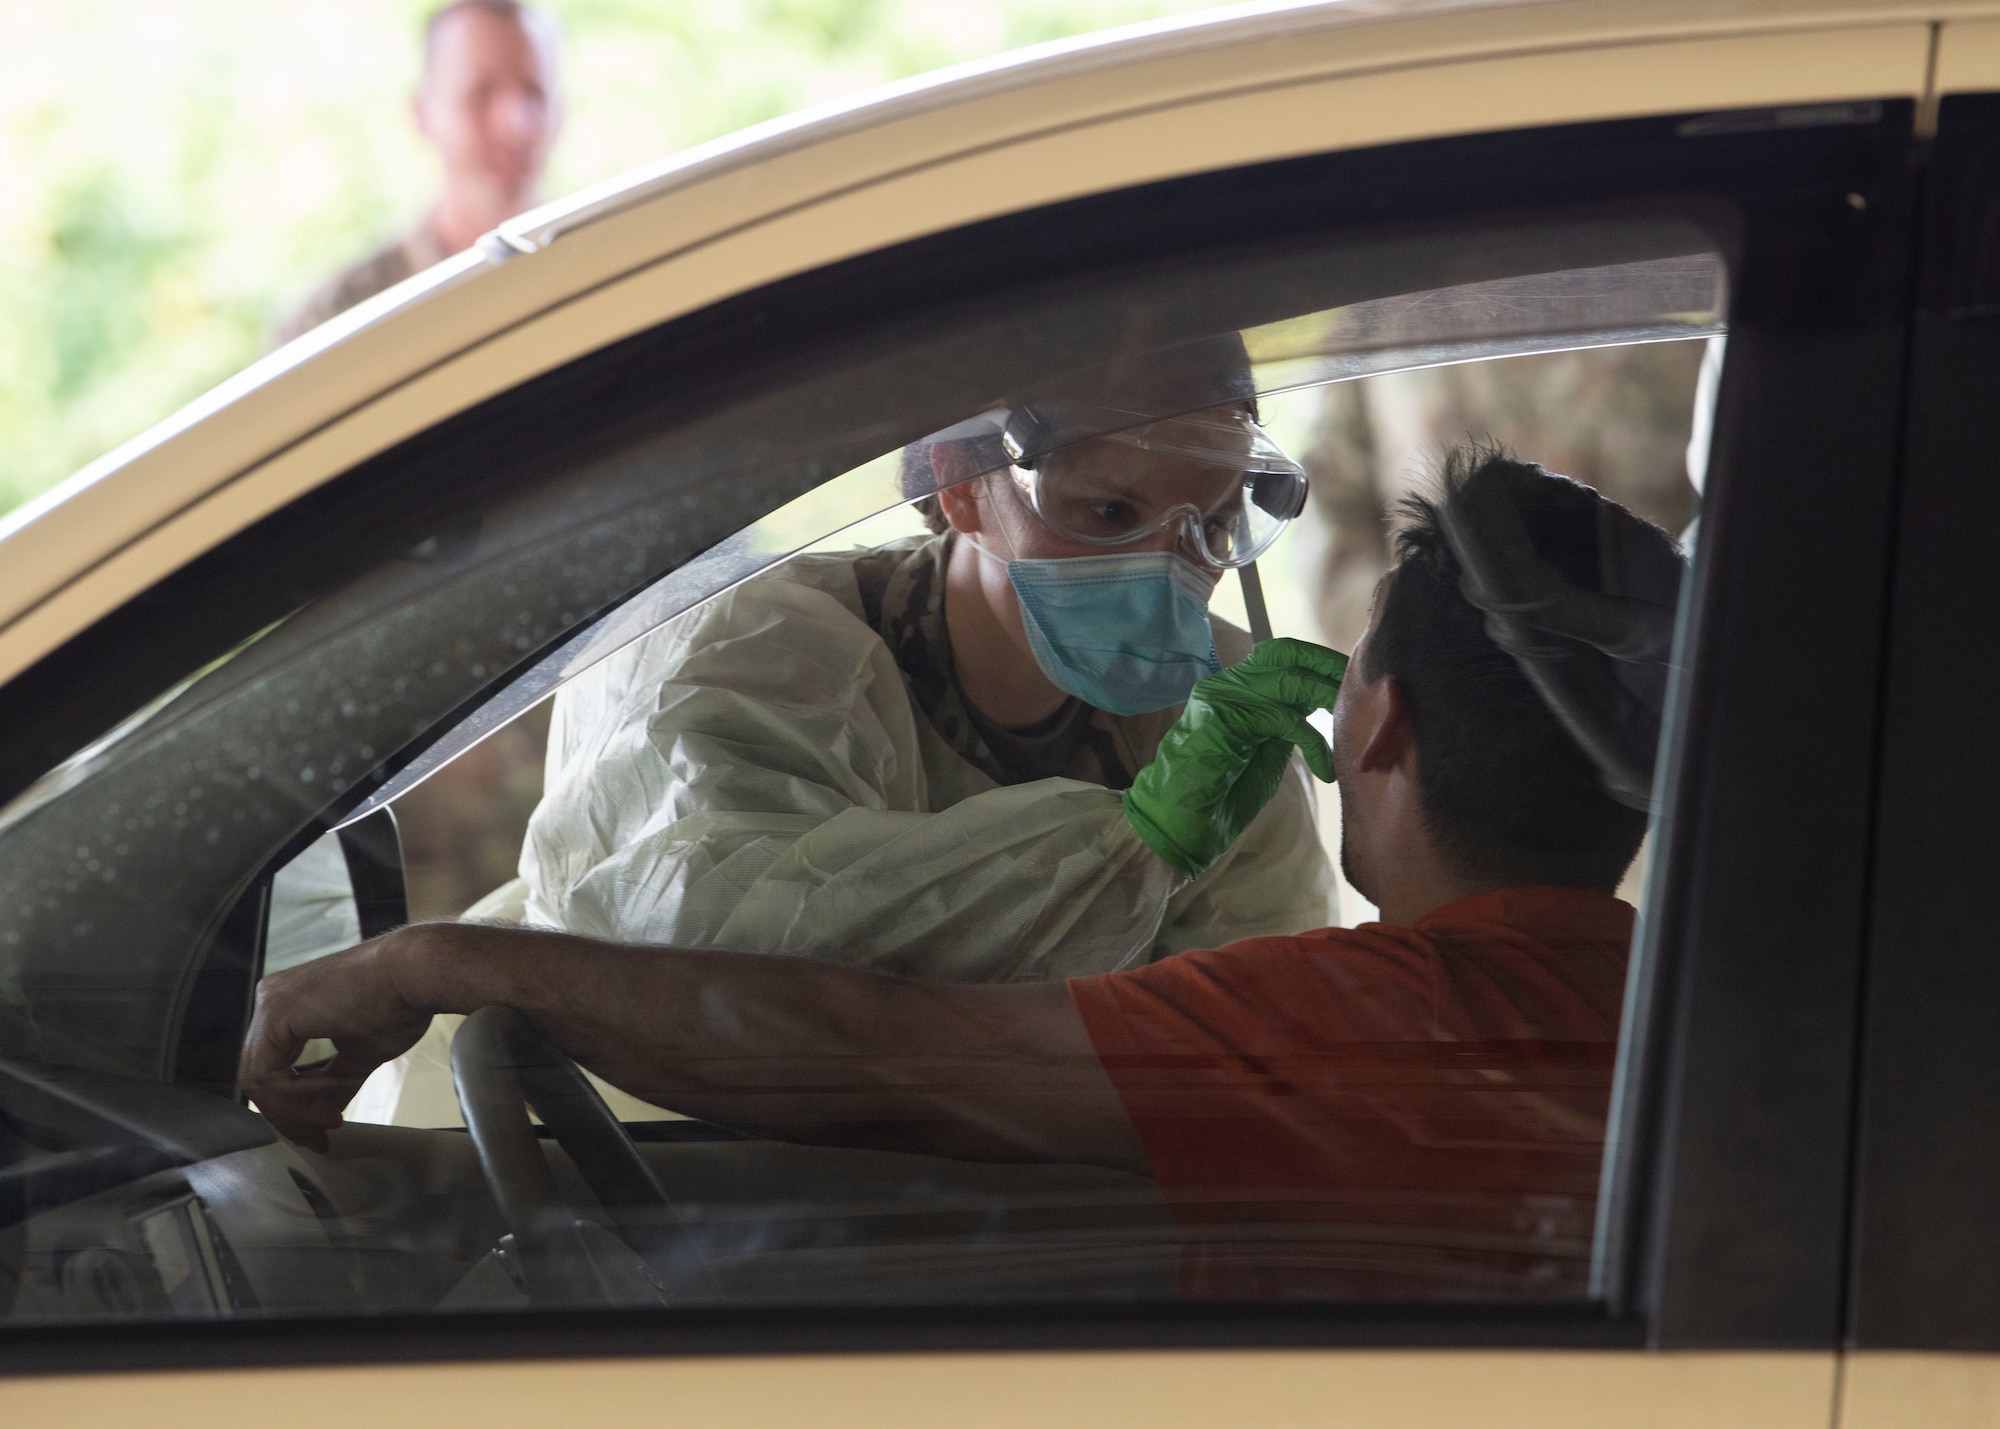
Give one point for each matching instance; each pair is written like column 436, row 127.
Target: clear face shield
column 1216, row 476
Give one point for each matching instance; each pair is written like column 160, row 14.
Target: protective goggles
column 1216, row 475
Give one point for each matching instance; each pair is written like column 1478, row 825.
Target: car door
column 1722, row 1222
column 1923, row 1318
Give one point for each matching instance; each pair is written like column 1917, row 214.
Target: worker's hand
column 1226, row 755
column 352, row 998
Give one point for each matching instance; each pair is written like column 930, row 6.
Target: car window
column 936, row 663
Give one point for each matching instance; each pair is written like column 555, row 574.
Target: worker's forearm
column 791, row 1047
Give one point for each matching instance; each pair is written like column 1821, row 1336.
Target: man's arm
column 785, row 1047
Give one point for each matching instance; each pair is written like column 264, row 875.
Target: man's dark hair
column 1506, row 791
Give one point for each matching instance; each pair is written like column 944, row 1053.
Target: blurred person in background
column 487, row 100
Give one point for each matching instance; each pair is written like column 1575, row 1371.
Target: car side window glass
column 1122, row 797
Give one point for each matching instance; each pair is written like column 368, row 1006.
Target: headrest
column 1597, row 657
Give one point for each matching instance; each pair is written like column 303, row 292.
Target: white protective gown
column 756, row 775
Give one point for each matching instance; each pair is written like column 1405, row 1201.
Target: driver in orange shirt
column 1410, row 1108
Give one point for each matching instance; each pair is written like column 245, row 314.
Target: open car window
column 690, row 681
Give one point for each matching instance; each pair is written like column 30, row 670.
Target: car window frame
column 1927, row 1164
column 1820, row 288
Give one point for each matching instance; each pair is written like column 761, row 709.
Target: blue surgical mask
column 1127, row 633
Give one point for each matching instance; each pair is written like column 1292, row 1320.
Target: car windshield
column 918, row 660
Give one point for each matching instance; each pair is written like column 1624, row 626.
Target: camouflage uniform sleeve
column 376, row 273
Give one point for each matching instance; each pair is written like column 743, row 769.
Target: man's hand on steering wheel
column 982, row 1072
column 352, row 998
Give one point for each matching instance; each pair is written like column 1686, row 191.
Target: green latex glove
column 1226, row 755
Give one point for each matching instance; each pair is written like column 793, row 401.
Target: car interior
column 323, row 780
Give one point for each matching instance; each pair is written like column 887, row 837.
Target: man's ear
column 1388, row 739
column 957, row 497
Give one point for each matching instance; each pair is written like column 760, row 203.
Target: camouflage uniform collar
column 903, row 592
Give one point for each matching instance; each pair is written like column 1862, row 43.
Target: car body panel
column 1894, row 1390
column 1968, row 59
column 1924, row 1307
column 1380, row 1389
column 799, row 195
column 470, row 329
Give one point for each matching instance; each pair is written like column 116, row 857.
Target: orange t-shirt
column 1380, row 1112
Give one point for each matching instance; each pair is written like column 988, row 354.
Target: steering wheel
column 502, row 1065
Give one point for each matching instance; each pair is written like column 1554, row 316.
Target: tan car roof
column 1152, row 102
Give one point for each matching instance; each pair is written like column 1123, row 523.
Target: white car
column 230, row 648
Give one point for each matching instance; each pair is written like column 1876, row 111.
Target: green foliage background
column 174, row 174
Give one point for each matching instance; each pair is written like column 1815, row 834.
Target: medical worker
column 941, row 757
